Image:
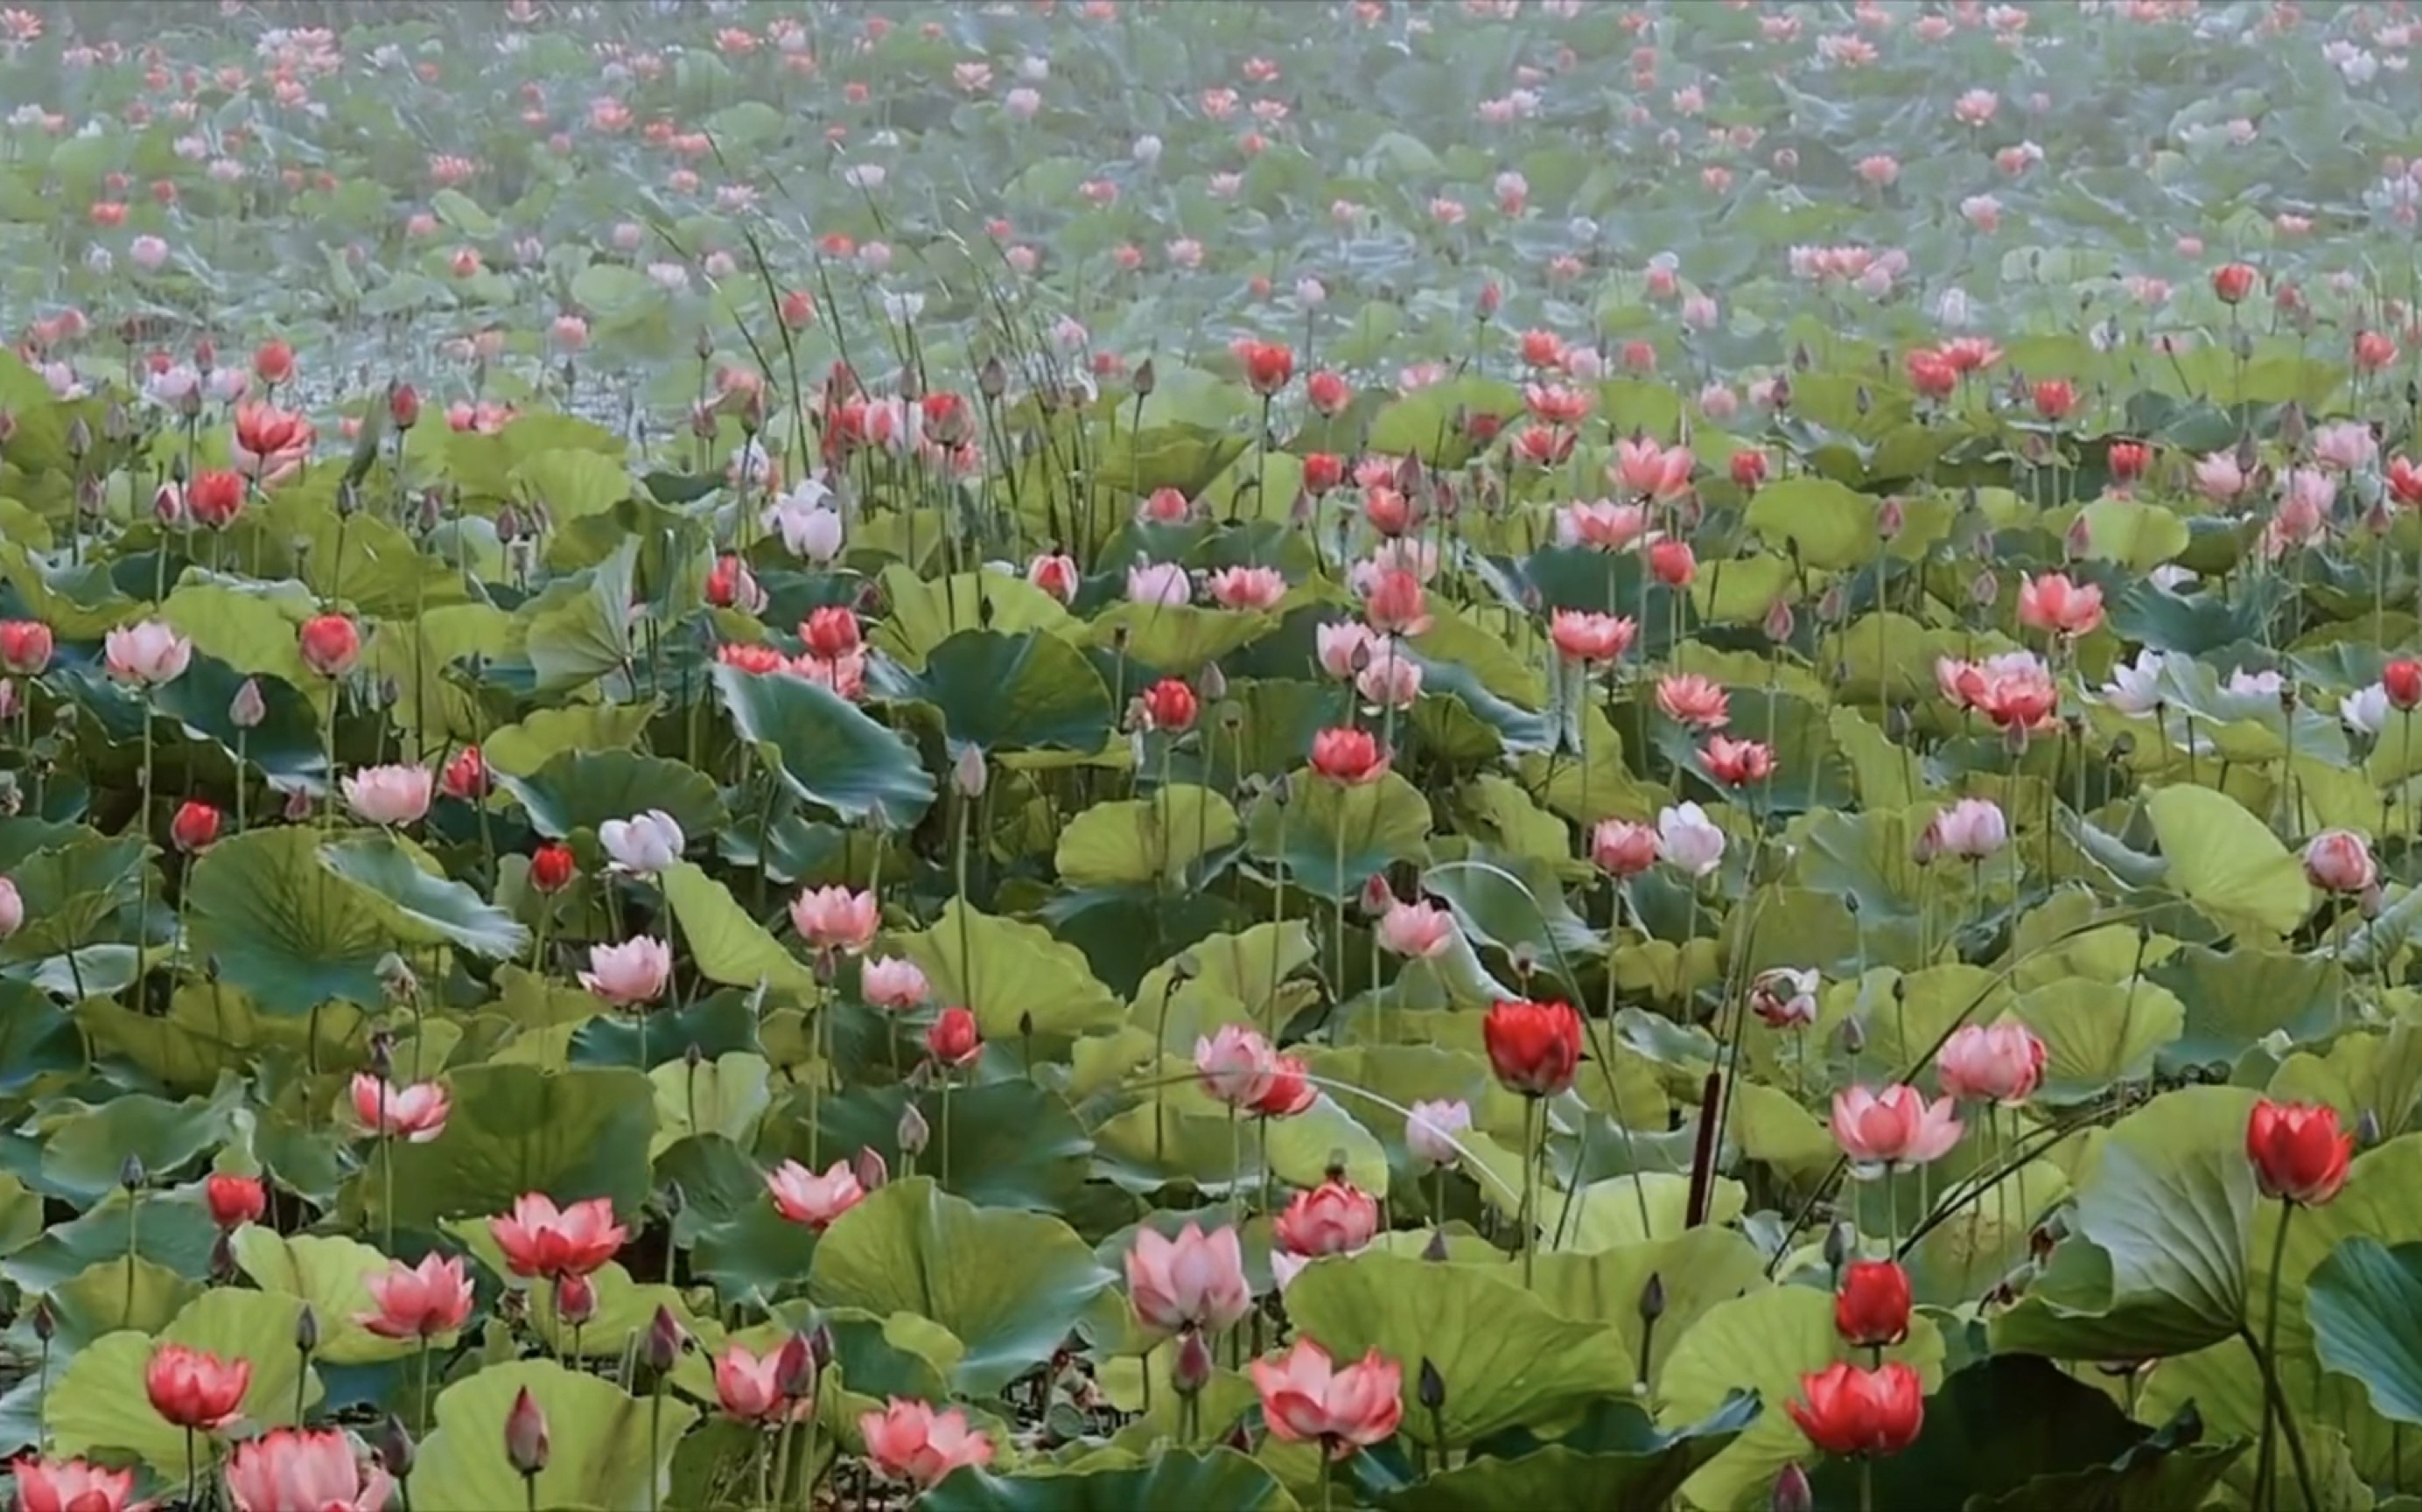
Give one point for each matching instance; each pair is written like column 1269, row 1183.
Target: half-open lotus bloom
column 1236, row 1064
column 643, row 844
column 1847, row 1411
column 1422, row 931
column 294, row 1469
column 748, row 1387
column 2298, row 1150
column 394, row 795
column 1307, row 1399
column 629, row 974
column 195, row 1389
column 1897, row 1127
column 1195, row 1280
column 420, row 1302
column 541, row 1239
column 2000, row 1064
column 69, row 1486
column 804, row 1197
column 149, row 652
column 911, row 1441
column 416, row 1113
column 836, row 919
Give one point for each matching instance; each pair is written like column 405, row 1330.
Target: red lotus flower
column 1535, row 1047
column 2054, row 397
column 196, row 825
column 1328, row 392
column 2232, row 282
column 235, row 1200
column 404, row 406
column 1673, row 563
column 69, row 1486
column 25, row 647
column 1170, row 706
column 467, row 776
column 1931, row 374
column 541, row 1239
column 2127, row 460
column 1871, row 1310
column 1737, row 762
column 270, row 442
column 2374, row 352
column 1846, row 1410
column 330, row 644
column 1749, row 469
column 1588, row 638
column 1351, row 756
column 1323, row 471
column 2299, row 1153
column 552, row 869
column 1268, row 365
column 273, row 362
column 830, row 633
column 215, row 498
column 954, row 1040
column 2402, row 680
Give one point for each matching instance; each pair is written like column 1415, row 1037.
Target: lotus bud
column 394, row 1448
column 307, row 1329
column 1191, row 1370
column 666, row 1341
column 526, row 1441
column 46, row 1323
column 248, row 708
column 2366, row 1128
column 795, row 1368
column 1984, row 588
column 1435, row 1250
column 130, row 1172
column 870, row 1169
column 1791, row 1491
column 914, row 1131
column 1841, row 1242
column 575, row 1301
column 991, row 379
column 968, row 773
column 79, row 439
column 1778, row 624
column 820, row 1343
column 1652, row 1299
column 675, row 1200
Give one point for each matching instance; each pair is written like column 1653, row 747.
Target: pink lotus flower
column 1645, row 468
column 1236, row 1064
column 2339, row 860
column 1246, row 587
column 803, row 1197
column 1621, row 849
column 2219, row 478
column 418, row 1301
column 1196, row 1279
column 69, row 1486
column 630, row 973
column 2054, row 604
column 1163, row 584
column 1345, row 647
column 1306, row 1399
column 1603, row 524
column 1692, row 700
column 1422, row 930
column 2002, row 1064
column 288, row 1469
column 909, row 1440
column 1895, row 1128
column 1334, row 1217
column 748, row 1386
column 541, row 1239
column 1390, row 682
column 416, row 1113
column 836, row 919
column 1972, row 829
column 394, row 795
column 150, row 653
column 896, row 984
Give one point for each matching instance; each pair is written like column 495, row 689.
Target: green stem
column 424, row 1366
column 1533, row 1131
column 2276, row 1408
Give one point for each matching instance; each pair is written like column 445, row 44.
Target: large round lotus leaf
column 727, row 945
column 1515, row 905
column 1696, row 1270
column 726, row 1096
column 37, row 1038
column 1609, row 1212
column 905, row 1250
column 1505, row 1358
column 329, row 1272
column 1014, row 976
column 174, row 1231
column 927, row 611
column 2375, row 1074
column 1997, row 1426
column 605, row 1446
column 97, row 1405
column 127, row 1293
column 83, row 1153
column 2156, row 1259
column 287, row 744
column 1332, row 837
column 1003, row 1144
column 576, row 790
column 827, row 749
column 1219, row 1479
column 2235, row 998
column 625, row 1308
column 1617, row 1461
column 578, row 628
column 2096, row 1034
column 77, row 896
column 261, row 905
column 2344, row 1442
column 1245, row 971
column 1178, row 638
column 1029, row 691
column 414, row 897
column 1764, row 1343
column 2373, row 1203
column 525, row 746
column 1139, row 840
column 2227, row 863
column 1157, row 1142
column 515, row 1129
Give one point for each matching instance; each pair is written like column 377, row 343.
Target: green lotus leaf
column 1514, row 904
column 1138, row 841
column 1505, row 1358
column 578, row 790
column 1174, row 1478
column 1332, row 837
column 606, row 1447
column 2137, row 535
column 904, row 1250
column 329, row 1272
column 2096, row 1034
column 76, row 896
column 579, row 628
column 84, row 1153
column 524, row 747
column 261, row 904
column 2361, row 1301
column 250, row 632
column 417, row 901
column 1826, row 523
column 1029, row 691
column 515, row 1128
column 726, row 1094
column 2158, row 1261
column 38, row 1038
column 1624, row 1463
column 729, row 946
column 1014, row 975
column 2226, row 862
column 98, row 1404
column 1179, row 638
column 129, row 1293
column 2236, row 997
column 174, row 1230
column 1155, row 1143
column 1764, row 1343
column 826, row 749
column 926, row 612
column 1003, row 1144
column 572, row 482
column 1696, row 1269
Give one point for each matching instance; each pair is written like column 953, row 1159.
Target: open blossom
column 1688, row 838
column 539, row 1238
column 1897, row 1127
column 836, row 919
column 1164, row 584
column 1307, row 1399
column 416, row 1113
column 2054, row 604
column 1236, row 1064
column 1345, row 647
column 69, row 1485
column 1334, row 1217
column 1422, row 931
column 803, row 1197
column 1972, row 829
column 1246, row 587
column 150, row 653
column 1196, row 1279
column 1431, row 1129
column 1645, row 468
column 1692, row 700
column 1591, row 638
column 1998, row 1063
column 1603, row 524
column 1783, row 998
column 909, row 1440
column 643, row 844
column 418, row 1301
column 627, row 975
column 393, row 794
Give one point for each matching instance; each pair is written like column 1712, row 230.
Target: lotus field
column 1502, row 756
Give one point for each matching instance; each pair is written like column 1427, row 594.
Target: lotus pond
column 1588, row 757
